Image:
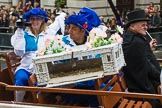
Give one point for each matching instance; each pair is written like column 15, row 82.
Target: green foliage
column 101, row 42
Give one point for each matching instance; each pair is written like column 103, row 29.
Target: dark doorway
column 124, row 6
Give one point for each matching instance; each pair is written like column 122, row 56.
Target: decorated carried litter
column 60, row 64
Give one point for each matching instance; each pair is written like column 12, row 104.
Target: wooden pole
column 115, row 12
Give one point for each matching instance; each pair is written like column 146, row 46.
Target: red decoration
column 85, row 25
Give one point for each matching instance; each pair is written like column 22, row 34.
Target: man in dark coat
column 142, row 71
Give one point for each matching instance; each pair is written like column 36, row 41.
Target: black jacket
column 142, row 71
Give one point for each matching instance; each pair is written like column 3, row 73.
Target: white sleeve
column 18, row 42
column 58, row 23
column 50, row 31
column 62, row 24
column 55, row 25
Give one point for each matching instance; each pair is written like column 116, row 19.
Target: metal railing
column 5, row 38
column 157, row 34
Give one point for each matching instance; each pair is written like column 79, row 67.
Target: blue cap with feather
column 80, row 21
column 91, row 16
column 36, row 12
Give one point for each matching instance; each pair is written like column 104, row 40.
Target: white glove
column 19, row 33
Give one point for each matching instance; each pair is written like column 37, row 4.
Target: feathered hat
column 85, row 19
column 91, row 16
column 80, row 21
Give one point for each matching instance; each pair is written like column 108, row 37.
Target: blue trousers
column 22, row 77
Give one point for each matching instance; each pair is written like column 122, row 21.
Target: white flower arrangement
column 96, row 38
column 53, row 45
column 116, row 37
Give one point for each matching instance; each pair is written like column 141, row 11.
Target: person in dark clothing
column 155, row 20
column 142, row 70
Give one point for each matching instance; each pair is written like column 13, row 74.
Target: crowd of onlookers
column 153, row 13
column 9, row 16
column 8, row 19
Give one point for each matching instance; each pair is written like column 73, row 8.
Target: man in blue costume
column 79, row 28
column 80, row 25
